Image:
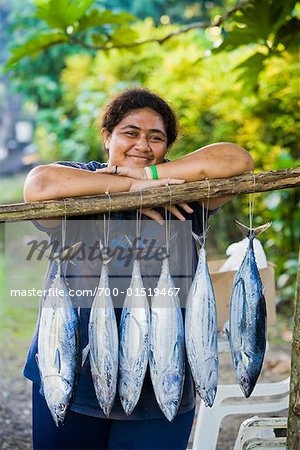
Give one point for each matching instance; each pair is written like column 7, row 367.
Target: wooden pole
column 293, row 434
column 151, row 198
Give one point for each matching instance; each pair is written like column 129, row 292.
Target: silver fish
column 248, row 319
column 58, row 345
column 103, row 343
column 201, row 331
column 134, row 341
column 167, row 345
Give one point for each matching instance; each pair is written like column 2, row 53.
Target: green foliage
column 61, row 14
column 35, row 45
column 174, row 11
column 73, row 22
column 11, row 192
column 257, row 22
column 250, row 69
column 268, row 26
column 96, row 18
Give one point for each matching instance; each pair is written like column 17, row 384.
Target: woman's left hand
column 131, row 172
column 155, row 215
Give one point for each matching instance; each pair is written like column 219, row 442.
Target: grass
column 17, row 316
column 12, row 188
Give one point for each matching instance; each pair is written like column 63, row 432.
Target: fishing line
column 205, row 226
column 63, row 239
column 139, row 217
column 64, row 226
column 251, row 203
column 205, row 213
column 168, row 219
column 106, row 226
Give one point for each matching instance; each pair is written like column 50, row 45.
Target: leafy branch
column 71, row 22
column 182, row 30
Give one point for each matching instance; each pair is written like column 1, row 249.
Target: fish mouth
column 106, row 410
column 208, row 396
column 246, row 386
column 58, row 413
column 170, row 411
column 128, row 404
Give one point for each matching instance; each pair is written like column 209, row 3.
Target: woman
column 137, row 129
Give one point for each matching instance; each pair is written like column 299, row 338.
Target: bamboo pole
column 293, row 435
column 151, row 198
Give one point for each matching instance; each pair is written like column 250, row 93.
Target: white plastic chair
column 261, row 428
column 230, row 400
column 269, row 444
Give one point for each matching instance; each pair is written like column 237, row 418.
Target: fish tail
column 252, row 232
column 69, row 252
column 200, row 239
column 136, row 247
column 128, row 240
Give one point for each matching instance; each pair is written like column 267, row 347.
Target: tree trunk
column 293, row 436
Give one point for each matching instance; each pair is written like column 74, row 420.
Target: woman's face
column 139, row 140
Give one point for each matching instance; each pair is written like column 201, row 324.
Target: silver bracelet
column 148, row 172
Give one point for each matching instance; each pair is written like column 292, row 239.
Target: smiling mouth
column 145, row 158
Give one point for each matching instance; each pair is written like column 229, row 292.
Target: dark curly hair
column 136, row 98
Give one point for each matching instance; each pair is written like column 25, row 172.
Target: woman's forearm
column 219, row 160
column 51, row 182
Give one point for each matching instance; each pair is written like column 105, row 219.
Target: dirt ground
column 15, row 393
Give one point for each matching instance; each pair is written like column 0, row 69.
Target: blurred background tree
column 229, row 80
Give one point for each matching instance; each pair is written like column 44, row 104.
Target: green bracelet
column 154, row 172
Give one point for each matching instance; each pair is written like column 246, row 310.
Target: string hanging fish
column 134, row 340
column 103, row 342
column 58, row 356
column 167, row 344
column 248, row 318
column 201, row 330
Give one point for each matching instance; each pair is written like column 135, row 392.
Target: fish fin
column 245, row 358
column 57, row 360
column 104, row 257
column 41, row 390
column 251, row 232
column 262, row 228
column 85, row 353
column 242, row 295
column 225, row 329
column 37, row 361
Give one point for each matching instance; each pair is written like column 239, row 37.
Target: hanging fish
column 167, row 344
column 103, row 342
column 201, row 330
column 134, row 340
column 58, row 355
column 248, row 318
